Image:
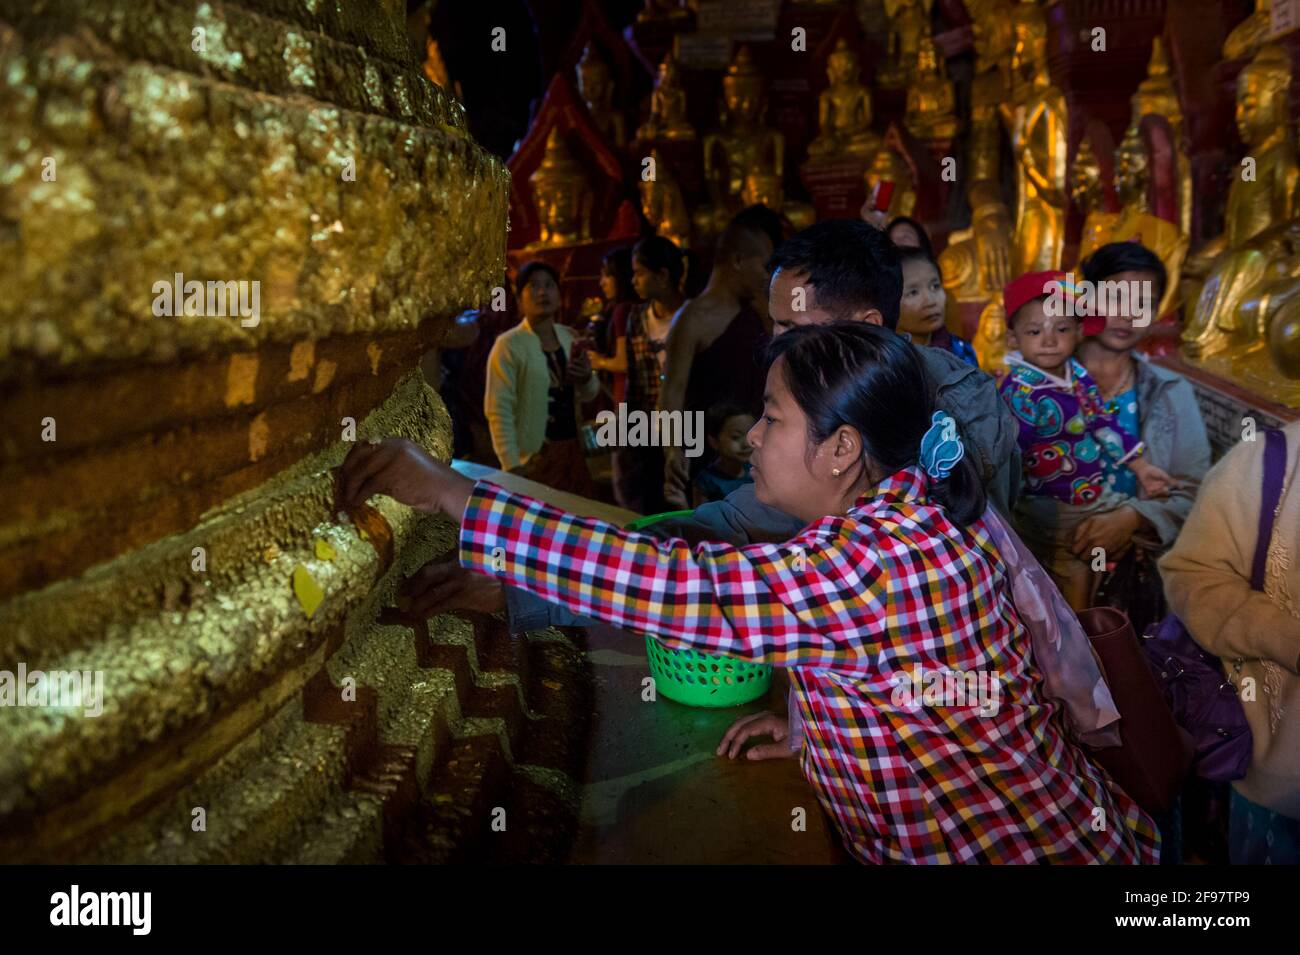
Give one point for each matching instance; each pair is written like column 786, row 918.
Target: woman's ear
column 847, row 449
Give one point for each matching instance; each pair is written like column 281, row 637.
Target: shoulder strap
column 1274, row 473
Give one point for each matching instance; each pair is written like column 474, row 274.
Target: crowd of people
column 849, row 426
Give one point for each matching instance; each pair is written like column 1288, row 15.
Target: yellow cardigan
column 517, row 383
column 1207, row 581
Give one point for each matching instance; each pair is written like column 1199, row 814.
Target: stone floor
column 654, row 792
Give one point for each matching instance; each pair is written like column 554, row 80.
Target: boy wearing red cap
column 1065, row 430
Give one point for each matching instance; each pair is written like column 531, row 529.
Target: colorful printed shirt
column 1065, row 431
column 868, row 609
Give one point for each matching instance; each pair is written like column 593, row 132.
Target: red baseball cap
column 1033, row 285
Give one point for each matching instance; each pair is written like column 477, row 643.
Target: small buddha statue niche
column 1088, row 190
column 889, row 168
column 667, row 118
column 663, row 205
column 844, row 110
column 1157, row 96
column 1136, row 221
column 1256, row 242
column 560, row 196
column 930, row 99
column 908, row 22
column 743, row 145
column 596, row 87
column 1036, row 122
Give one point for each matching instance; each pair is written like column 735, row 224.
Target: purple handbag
column 1203, row 701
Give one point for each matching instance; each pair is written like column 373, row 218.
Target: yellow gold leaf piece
column 324, row 551
column 307, row 591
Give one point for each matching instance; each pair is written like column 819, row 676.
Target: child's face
column 921, row 309
column 731, row 443
column 1045, row 341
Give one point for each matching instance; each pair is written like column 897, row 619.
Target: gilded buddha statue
column 889, row 167
column 1087, row 189
column 667, row 118
column 663, row 205
column 977, row 261
column 596, row 88
column 1255, row 245
column 930, row 98
column 1136, row 223
column 1246, row 36
column 741, row 146
column 1037, row 122
column 908, row 23
column 1156, row 96
column 560, row 195
column 844, row 110
column 658, row 11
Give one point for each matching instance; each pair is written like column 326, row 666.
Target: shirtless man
column 733, row 304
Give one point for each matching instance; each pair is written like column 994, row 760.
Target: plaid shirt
column 643, row 371
column 851, row 603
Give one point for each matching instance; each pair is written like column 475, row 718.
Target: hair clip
column 942, row 447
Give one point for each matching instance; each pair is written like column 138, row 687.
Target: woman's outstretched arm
column 768, row 602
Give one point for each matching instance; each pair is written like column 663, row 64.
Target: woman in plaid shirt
column 894, row 579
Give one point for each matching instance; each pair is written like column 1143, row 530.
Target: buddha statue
column 990, row 341
column 889, row 167
column 766, row 189
column 1136, row 223
column 743, row 144
column 596, row 88
column 667, row 118
column 930, row 98
column 659, row 11
column 1087, row 189
column 560, row 195
column 1254, row 246
column 1156, row 96
column 663, row 205
column 908, row 22
column 1037, row 122
column 844, row 110
column 977, row 261
column 1246, row 36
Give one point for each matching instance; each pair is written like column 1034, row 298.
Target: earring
column 835, row 472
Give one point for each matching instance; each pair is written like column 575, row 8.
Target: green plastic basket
column 701, row 679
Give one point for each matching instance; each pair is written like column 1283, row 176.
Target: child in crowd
column 1065, row 433
column 725, row 426
column 920, row 311
column 895, row 573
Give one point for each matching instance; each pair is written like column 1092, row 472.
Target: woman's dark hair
column 870, row 379
column 656, row 253
column 528, row 270
column 618, row 265
column 850, row 265
column 1115, row 257
column 917, row 227
column 912, row 254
